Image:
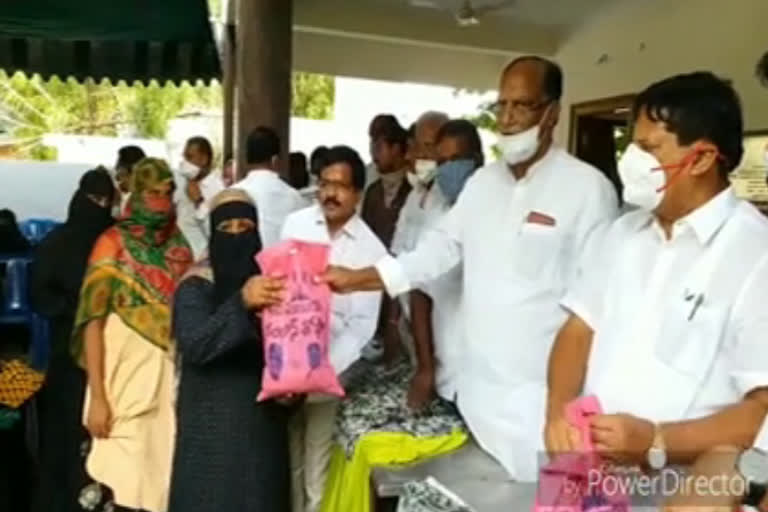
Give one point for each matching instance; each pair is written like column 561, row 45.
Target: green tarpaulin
column 115, row 39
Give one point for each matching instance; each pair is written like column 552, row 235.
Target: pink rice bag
column 296, row 333
column 564, row 484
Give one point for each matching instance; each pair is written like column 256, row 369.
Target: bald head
column 426, row 129
column 544, row 75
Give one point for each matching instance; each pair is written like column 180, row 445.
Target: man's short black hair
column 204, row 145
column 347, row 155
column 262, row 145
column 552, row 80
column 394, row 136
column 382, row 122
column 317, row 159
column 128, row 156
column 698, row 106
column 467, row 132
column 298, row 176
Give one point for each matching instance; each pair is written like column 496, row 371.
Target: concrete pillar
column 263, row 67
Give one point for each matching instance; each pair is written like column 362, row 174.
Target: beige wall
column 646, row 40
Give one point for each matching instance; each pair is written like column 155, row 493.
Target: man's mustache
column 331, row 202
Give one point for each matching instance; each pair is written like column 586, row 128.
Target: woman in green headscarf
column 121, row 337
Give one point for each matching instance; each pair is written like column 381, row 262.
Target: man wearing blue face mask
column 668, row 327
column 432, row 313
column 517, row 228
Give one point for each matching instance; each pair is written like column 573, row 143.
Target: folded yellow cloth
column 348, row 485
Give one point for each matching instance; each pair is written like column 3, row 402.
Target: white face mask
column 188, row 170
column 520, row 147
column 424, row 171
column 643, row 178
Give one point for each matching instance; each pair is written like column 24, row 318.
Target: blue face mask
column 451, row 177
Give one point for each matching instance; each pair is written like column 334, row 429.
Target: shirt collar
column 350, row 229
column 706, row 220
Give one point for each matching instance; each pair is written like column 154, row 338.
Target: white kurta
column 275, row 200
column 679, row 324
column 422, row 211
column 516, row 269
column 353, row 317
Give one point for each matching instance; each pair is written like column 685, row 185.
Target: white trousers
column 311, row 432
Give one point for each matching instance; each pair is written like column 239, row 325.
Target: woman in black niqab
column 231, row 451
column 56, row 275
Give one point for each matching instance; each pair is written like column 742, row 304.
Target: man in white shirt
column 433, row 312
column 517, row 227
column 192, row 195
column 334, row 221
column 667, row 327
column 274, row 198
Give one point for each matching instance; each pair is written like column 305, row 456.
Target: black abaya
column 231, row 452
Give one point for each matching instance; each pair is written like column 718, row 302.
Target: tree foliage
column 312, row 95
column 32, row 107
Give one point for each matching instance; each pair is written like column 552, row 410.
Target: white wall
column 647, row 40
column 39, row 189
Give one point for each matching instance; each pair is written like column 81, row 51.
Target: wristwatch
column 657, row 453
column 752, row 465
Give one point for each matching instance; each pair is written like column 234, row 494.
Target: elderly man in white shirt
column 275, row 200
column 433, row 313
column 517, row 227
column 334, row 221
column 668, row 326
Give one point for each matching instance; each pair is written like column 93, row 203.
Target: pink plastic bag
column 297, row 332
column 563, row 483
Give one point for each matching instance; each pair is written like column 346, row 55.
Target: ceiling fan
column 466, row 14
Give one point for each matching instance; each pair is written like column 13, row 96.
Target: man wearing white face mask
column 667, row 327
column 517, row 227
column 191, row 195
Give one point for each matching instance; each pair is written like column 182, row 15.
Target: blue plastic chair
column 16, row 310
column 35, row 230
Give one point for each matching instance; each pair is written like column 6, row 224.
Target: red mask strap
column 680, row 166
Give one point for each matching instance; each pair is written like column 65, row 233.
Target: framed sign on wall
column 749, row 179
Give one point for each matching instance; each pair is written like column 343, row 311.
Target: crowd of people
column 472, row 302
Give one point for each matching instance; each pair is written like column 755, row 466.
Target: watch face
column 753, row 465
column 657, row 458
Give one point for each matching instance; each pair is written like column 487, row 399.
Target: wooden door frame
column 586, row 108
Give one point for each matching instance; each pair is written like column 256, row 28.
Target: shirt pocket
column 690, row 337
column 538, row 252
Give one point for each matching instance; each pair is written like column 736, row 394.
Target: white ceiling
column 552, row 13
column 535, row 26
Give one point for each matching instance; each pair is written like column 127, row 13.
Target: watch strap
column 755, row 494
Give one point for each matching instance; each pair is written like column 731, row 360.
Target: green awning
column 115, row 39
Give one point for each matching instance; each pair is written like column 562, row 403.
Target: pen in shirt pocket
column 698, row 300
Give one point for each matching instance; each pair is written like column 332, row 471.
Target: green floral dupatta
column 135, row 266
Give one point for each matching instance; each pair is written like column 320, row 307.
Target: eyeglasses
column 519, row 108
column 333, row 185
